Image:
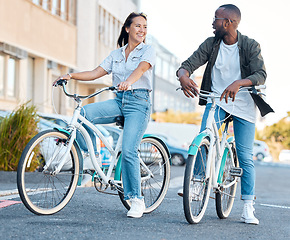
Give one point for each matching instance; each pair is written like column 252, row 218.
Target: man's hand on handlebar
column 233, row 88
column 189, row 87
column 230, row 91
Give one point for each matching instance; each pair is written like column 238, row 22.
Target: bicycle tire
column 195, row 201
column 42, row 192
column 224, row 200
column 154, row 189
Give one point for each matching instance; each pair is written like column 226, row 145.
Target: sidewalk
column 8, row 183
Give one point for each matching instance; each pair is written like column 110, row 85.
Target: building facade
column 37, row 43
column 43, row 39
column 165, row 82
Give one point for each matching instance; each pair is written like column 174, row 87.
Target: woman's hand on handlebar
column 65, row 77
column 124, row 86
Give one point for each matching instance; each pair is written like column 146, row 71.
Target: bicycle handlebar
column 63, row 82
column 206, row 94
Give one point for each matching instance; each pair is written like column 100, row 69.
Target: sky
column 181, row 26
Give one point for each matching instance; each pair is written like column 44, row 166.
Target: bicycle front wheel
column 153, row 187
column 196, row 186
column 41, row 190
column 224, row 198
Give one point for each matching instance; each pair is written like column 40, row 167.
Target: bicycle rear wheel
column 196, row 187
column 42, row 191
column 153, row 188
column 224, row 199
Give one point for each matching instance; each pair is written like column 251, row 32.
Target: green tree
column 277, row 136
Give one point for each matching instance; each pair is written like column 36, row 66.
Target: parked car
column 261, row 151
column 42, row 125
column 284, row 155
column 178, row 153
column 114, row 132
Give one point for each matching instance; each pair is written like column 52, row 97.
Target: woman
column 131, row 66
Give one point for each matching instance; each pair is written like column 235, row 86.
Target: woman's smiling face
column 137, row 30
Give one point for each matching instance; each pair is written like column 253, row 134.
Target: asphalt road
column 93, row 215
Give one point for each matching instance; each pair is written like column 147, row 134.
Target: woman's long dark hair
column 123, row 37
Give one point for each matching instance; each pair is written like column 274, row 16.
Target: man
column 233, row 60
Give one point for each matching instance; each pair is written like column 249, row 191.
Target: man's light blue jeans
column 244, row 132
column 135, row 107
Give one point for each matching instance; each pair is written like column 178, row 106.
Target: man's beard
column 219, row 35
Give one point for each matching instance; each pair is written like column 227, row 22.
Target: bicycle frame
column 216, row 148
column 76, row 124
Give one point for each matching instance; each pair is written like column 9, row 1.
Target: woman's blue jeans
column 244, row 132
column 135, row 107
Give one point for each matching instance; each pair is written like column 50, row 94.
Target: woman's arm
column 84, row 76
column 135, row 75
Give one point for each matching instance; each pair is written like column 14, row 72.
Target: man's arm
column 189, row 87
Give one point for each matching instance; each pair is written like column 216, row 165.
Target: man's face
column 218, row 24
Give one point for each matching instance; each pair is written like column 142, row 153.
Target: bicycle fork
column 68, row 144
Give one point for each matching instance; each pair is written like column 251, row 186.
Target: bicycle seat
column 120, row 121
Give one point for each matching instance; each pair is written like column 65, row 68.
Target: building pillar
column 40, row 94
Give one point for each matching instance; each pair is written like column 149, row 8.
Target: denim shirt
column 121, row 69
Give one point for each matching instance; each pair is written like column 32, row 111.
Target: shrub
column 15, row 132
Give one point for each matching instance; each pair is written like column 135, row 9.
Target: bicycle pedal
column 236, row 171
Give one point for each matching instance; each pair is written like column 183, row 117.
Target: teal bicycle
column 51, row 165
column 212, row 164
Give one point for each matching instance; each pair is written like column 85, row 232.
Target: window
column 55, row 7
column 158, row 66
column 165, row 70
column 66, row 9
column 109, row 28
column 30, row 79
column 11, row 77
column 37, row 2
column 8, row 76
column 1, row 75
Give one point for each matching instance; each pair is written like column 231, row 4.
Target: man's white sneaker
column 137, row 208
column 180, row 192
column 248, row 213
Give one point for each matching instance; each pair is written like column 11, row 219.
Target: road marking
column 275, row 206
column 6, row 203
column 8, row 192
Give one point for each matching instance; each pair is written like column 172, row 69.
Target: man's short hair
column 232, row 8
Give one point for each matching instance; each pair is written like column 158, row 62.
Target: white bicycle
column 51, row 165
column 212, row 164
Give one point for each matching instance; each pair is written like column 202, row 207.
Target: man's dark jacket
column 251, row 61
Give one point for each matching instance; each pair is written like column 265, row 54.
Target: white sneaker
column 180, row 192
column 195, row 191
column 137, row 208
column 248, row 213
